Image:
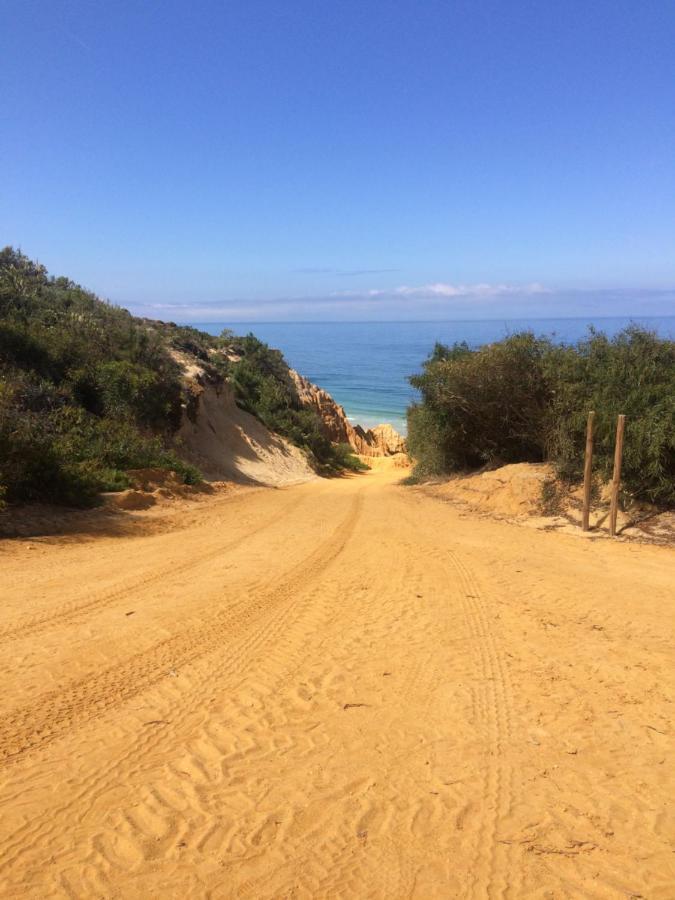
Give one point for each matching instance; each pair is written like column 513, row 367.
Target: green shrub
column 34, row 467
column 189, row 473
column 526, row 399
column 429, row 440
column 485, row 406
column 343, row 459
column 634, row 374
column 113, row 480
column 86, row 390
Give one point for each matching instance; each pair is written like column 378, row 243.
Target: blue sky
column 306, row 159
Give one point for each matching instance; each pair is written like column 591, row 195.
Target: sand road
column 342, row 689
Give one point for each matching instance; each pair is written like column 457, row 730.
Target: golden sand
column 340, row 689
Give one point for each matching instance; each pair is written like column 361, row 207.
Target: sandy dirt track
column 341, row 689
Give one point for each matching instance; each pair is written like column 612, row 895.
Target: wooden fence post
column 588, row 470
column 616, row 477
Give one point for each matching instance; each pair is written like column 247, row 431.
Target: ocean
column 365, row 365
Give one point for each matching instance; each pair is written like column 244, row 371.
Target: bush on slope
column 527, row 399
column 88, row 391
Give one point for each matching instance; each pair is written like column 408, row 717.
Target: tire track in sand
column 74, row 610
column 352, row 807
column 226, row 670
column 493, row 872
column 56, row 712
column 188, row 797
column 42, row 834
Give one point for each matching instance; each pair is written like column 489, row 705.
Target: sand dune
column 344, row 688
column 225, row 442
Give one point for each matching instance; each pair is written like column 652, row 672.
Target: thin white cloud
column 441, row 289
column 431, row 302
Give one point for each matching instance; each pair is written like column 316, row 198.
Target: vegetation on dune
column 633, row 373
column 88, row 391
column 479, row 406
column 343, row 459
column 527, row 399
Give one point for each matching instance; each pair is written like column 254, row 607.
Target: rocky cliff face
column 380, row 441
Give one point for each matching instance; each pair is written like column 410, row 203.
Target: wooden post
column 588, row 471
column 616, row 477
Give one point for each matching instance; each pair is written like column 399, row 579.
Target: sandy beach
column 345, row 688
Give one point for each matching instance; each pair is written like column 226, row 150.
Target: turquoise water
column 365, row 365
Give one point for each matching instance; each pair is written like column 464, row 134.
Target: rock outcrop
column 382, row 440
column 388, row 440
